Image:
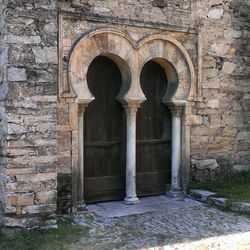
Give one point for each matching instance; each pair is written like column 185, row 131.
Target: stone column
column 80, row 197
column 131, row 197
column 176, row 190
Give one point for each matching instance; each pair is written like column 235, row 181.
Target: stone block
column 205, row 164
column 11, row 187
column 240, row 168
column 194, row 120
column 39, row 209
column 22, row 222
column 25, row 199
column 11, row 200
column 221, row 202
column 234, row 33
column 213, row 104
column 246, row 34
column 41, row 186
column 45, row 54
column 202, row 195
column 24, row 39
column 21, row 151
column 15, row 129
column 18, row 171
column 64, row 164
column 36, row 177
column 45, row 197
column 10, row 210
column 44, row 98
column 33, row 160
column 241, row 207
column 17, row 74
column 215, row 13
column 64, row 140
column 63, row 118
column 215, row 121
column 214, row 2
column 228, row 68
column 220, row 49
column 204, row 131
column 243, row 135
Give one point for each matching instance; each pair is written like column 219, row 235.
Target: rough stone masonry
column 36, row 132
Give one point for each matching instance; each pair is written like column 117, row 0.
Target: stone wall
column 31, row 113
column 175, row 12
column 222, row 131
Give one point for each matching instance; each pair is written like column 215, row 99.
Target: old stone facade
column 46, row 48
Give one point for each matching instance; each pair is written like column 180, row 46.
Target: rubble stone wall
column 31, row 113
column 223, row 130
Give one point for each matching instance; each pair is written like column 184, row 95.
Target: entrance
column 104, row 143
column 153, row 164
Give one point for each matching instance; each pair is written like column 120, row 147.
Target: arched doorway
column 104, row 132
column 153, row 164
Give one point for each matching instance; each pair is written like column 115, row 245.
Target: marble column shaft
column 131, row 197
column 176, row 180
column 80, row 200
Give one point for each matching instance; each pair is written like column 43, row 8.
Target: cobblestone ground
column 195, row 227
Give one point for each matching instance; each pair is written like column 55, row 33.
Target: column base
column 176, row 194
column 81, row 206
column 131, row 200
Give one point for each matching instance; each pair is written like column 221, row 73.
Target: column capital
column 81, row 108
column 176, row 108
column 131, row 107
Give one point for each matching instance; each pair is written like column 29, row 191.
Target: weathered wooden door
column 104, row 146
column 153, row 134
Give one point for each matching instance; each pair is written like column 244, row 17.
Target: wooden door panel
column 158, row 183
column 153, row 134
column 104, row 164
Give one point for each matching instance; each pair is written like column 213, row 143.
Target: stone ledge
column 240, row 207
column 201, row 195
column 209, row 197
column 221, row 202
column 240, row 168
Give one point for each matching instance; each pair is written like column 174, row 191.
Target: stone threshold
column 114, row 209
column 210, row 197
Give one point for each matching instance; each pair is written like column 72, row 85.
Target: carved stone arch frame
column 181, row 90
column 130, row 56
column 120, row 48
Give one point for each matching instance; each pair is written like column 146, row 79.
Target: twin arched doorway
column 105, row 130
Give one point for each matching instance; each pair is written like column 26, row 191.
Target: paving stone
column 185, row 227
